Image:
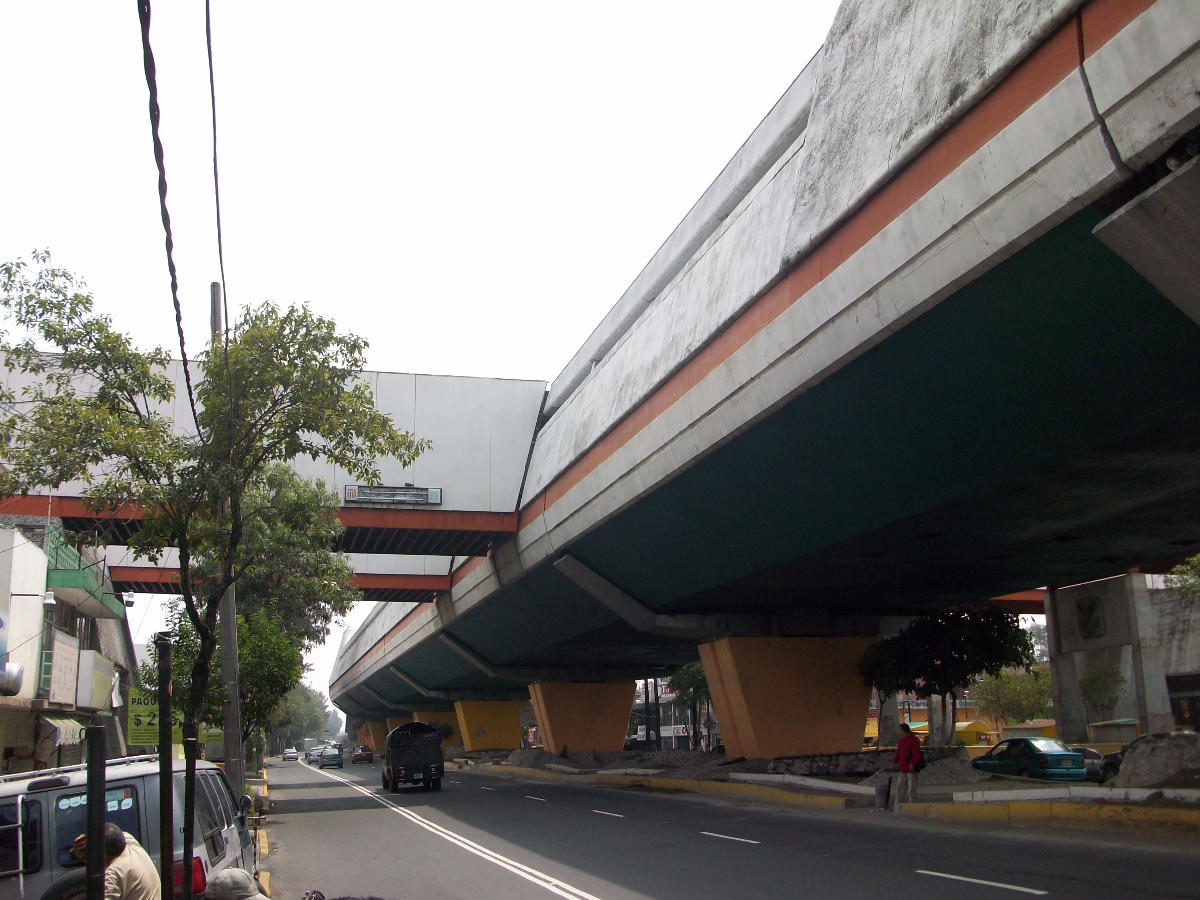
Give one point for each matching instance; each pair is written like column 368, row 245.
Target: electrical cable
column 155, row 114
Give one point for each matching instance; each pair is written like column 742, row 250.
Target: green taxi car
column 1033, row 757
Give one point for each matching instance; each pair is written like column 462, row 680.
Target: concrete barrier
column 1063, row 813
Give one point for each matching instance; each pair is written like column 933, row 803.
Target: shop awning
column 68, row 731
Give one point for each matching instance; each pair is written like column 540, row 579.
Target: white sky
column 470, row 185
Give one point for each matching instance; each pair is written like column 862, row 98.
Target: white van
column 49, row 808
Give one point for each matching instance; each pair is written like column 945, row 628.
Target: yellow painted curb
column 1060, row 812
column 262, row 843
column 264, row 878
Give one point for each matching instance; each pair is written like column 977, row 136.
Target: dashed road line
column 995, row 884
column 538, row 799
column 730, row 837
column 482, row 788
column 603, row 813
column 549, row 882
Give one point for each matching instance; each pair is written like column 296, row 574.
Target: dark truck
column 413, row 755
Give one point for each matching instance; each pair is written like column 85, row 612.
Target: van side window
column 209, row 820
column 32, row 814
column 221, row 796
column 70, row 818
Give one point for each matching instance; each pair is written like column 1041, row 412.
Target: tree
column 282, row 384
column 1040, row 639
column 935, row 655
column 1184, row 579
column 300, row 714
column 1014, row 695
column 691, row 690
column 269, row 666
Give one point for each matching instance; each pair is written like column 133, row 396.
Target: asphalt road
column 510, row 837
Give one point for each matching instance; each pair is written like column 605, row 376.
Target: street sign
column 141, row 724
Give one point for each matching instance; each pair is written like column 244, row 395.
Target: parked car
column 1111, row 764
column 1093, row 762
column 330, row 756
column 413, row 755
column 362, row 753
column 1033, row 757
column 49, row 809
column 290, row 753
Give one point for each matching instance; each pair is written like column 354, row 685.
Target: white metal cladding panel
column 481, row 429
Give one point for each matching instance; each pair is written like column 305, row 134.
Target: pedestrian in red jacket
column 908, row 761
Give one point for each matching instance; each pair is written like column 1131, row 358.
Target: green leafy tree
column 93, row 408
column 1040, row 639
column 1184, row 579
column 269, row 665
column 691, row 689
column 300, row 714
column 938, row 654
column 1014, row 695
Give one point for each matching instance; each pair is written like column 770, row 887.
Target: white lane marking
column 997, row 884
column 603, row 813
column 730, row 837
column 452, row 781
column 486, row 788
column 538, row 799
column 541, row 879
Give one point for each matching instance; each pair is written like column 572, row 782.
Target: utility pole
column 227, row 619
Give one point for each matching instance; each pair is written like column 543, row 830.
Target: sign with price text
column 142, row 724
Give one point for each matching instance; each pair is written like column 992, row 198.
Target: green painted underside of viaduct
column 1040, row 426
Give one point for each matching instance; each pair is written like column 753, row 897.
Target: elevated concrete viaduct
column 930, row 337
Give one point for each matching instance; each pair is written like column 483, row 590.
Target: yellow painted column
column 582, row 717
column 783, row 696
column 489, row 724
column 377, row 734
column 396, row 721
column 438, row 718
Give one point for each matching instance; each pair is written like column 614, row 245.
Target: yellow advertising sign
column 141, row 725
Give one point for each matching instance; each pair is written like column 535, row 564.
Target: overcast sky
column 471, row 185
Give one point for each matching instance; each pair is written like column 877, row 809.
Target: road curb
column 727, row 789
column 1063, row 813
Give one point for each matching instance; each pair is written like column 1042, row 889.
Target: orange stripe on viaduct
column 352, row 517
column 361, row 580
column 1031, row 79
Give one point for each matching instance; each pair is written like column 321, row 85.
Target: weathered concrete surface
column 1170, row 761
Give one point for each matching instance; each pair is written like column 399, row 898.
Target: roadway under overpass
column 930, row 338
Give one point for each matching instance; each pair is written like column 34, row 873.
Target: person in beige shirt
column 129, row 872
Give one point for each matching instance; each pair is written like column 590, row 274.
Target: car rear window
column 70, row 818
column 1046, row 745
column 31, row 813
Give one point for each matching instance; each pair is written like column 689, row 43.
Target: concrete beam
column 513, row 673
column 498, row 693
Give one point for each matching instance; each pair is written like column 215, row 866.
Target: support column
column 1070, row 717
column 889, row 723
column 396, row 721
column 489, row 724
column 1149, row 678
column 783, row 696
column 377, row 734
column 582, row 717
column 438, row 718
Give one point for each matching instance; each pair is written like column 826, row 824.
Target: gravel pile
column 950, row 770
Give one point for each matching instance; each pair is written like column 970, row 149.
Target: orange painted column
column 582, row 717
column 376, row 734
column 489, row 724
column 395, row 721
column 438, row 718
column 783, row 696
